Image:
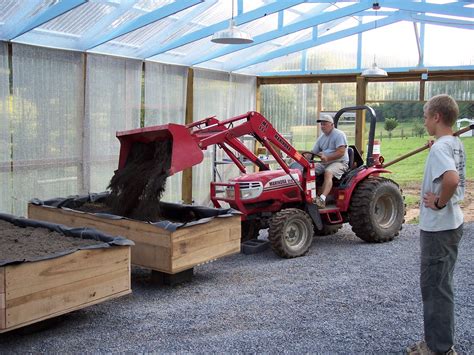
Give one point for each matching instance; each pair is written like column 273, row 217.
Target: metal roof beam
column 146, row 19
column 450, row 22
column 239, row 20
column 232, row 66
column 158, row 38
column 89, row 37
column 312, row 21
column 450, row 9
column 44, row 16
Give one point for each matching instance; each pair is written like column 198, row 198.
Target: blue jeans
column 439, row 252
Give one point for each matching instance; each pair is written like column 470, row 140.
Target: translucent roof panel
column 455, row 50
column 180, row 32
column 392, row 46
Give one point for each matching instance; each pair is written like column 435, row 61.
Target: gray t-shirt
column 446, row 154
column 328, row 144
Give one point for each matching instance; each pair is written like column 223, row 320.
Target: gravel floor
column 346, row 296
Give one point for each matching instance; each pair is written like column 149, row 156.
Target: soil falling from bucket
column 136, row 189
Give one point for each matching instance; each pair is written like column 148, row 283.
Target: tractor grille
column 249, row 185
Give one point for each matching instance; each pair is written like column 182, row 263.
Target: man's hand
column 323, row 157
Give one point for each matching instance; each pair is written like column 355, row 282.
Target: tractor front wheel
column 377, row 210
column 290, row 233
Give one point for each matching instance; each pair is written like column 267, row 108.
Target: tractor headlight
column 248, row 190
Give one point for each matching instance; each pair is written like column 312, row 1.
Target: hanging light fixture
column 374, row 71
column 232, row 35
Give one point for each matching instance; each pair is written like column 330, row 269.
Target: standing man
column 331, row 148
column 441, row 226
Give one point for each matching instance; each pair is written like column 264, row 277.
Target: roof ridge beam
column 145, row 20
column 294, row 27
column 210, row 30
column 317, row 42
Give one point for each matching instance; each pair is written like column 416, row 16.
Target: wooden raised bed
column 157, row 248
column 37, row 290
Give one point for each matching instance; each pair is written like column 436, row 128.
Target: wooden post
column 187, row 178
column 319, row 105
column 360, row 115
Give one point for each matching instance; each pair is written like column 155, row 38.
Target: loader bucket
column 185, row 151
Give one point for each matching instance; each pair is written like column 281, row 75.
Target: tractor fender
column 353, row 181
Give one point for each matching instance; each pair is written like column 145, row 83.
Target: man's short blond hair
column 445, row 105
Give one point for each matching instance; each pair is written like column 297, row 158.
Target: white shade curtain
column 165, row 102
column 46, row 123
column 112, row 104
column 5, row 146
column 292, row 110
column 222, row 95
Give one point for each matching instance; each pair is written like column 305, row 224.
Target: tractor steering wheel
column 312, row 156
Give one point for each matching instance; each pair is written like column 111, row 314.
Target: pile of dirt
column 26, row 243
column 137, row 188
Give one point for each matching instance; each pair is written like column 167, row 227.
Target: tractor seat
column 350, row 152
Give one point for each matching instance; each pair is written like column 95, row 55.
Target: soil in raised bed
column 26, row 243
column 137, row 188
column 184, row 215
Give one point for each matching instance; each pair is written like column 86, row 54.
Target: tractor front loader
column 282, row 199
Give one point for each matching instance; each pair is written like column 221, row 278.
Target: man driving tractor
column 331, row 148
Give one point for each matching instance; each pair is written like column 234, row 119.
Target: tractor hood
column 270, row 178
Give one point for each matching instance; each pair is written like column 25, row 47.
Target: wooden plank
column 215, row 232
column 209, row 253
column 216, row 223
column 71, row 297
column 152, row 257
column 28, row 278
column 2, row 298
column 135, row 230
column 76, row 294
column 119, row 294
column 205, row 245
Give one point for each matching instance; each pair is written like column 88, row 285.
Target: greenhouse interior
column 73, row 73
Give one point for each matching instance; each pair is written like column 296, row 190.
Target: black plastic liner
column 75, row 232
column 202, row 214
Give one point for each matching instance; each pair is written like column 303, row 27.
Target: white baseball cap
column 325, row 118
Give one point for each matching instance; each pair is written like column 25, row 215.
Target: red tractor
column 282, row 199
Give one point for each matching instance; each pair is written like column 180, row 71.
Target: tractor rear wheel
column 290, row 233
column 377, row 210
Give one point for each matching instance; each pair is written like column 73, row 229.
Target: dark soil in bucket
column 26, row 243
column 136, row 189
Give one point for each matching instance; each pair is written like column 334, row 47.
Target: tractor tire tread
column 276, row 230
column 360, row 220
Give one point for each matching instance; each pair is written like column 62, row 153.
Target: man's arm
column 449, row 183
column 338, row 154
